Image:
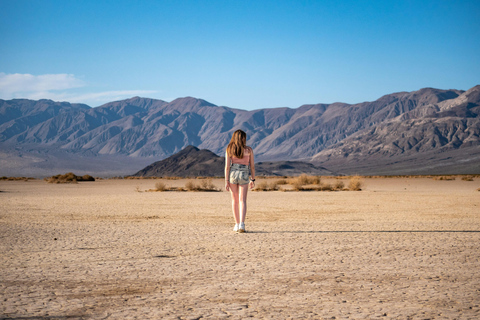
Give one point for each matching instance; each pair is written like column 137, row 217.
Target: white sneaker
column 241, row 227
column 235, row 228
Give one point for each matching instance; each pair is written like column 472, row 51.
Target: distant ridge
column 419, row 132
column 435, row 138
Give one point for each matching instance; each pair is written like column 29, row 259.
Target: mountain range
column 420, row 132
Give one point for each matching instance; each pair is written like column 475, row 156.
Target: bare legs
column 239, row 201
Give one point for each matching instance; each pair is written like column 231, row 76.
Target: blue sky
column 240, row 54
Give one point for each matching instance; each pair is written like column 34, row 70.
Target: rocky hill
column 189, row 162
column 193, row 162
column 43, row 137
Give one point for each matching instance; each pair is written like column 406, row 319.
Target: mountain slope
column 439, row 136
column 143, row 130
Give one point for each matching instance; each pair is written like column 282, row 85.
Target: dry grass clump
column 191, row 186
column 446, row 178
column 314, row 180
column 160, row 186
column 69, row 177
column 265, row 186
column 325, row 187
column 467, row 178
column 355, row 184
column 281, row 182
column 205, row 185
column 339, row 185
column 297, row 185
column 301, row 181
column 15, row 178
column 304, row 180
column 140, row 178
column 314, row 183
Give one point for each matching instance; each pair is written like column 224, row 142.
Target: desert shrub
column 339, row 185
column 160, row 186
column 299, row 182
column 206, row 185
column 355, row 183
column 15, row 178
column 446, row 178
column 265, row 186
column 261, row 186
column 273, row 186
column 325, row 187
column 314, row 180
column 69, row 177
column 304, row 179
column 467, row 178
column 297, row 185
column 65, row 178
column 190, row 186
column 281, row 182
column 87, row 178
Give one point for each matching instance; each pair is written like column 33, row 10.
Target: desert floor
column 403, row 248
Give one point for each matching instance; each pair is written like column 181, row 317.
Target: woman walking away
column 239, row 176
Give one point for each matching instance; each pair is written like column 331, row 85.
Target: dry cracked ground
column 402, row 248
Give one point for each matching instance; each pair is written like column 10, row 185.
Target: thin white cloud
column 58, row 87
column 15, row 83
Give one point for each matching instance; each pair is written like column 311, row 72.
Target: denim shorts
column 239, row 174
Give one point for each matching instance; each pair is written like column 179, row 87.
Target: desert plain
column 402, row 248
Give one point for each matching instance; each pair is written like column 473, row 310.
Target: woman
column 239, row 163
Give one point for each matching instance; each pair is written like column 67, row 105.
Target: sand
column 400, row 249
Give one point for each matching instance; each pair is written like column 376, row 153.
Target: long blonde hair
column 236, row 146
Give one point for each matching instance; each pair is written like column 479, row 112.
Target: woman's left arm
column 252, row 169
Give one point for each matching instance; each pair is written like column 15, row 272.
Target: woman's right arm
column 227, row 171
